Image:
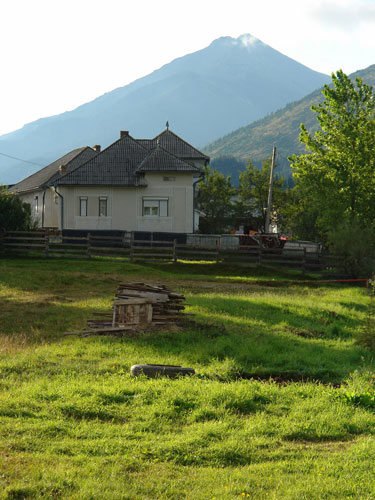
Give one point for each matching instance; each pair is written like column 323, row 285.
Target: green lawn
column 281, row 407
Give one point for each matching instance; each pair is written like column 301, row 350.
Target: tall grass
column 270, row 413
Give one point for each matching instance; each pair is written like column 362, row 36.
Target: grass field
column 282, row 405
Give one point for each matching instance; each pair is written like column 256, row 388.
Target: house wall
column 51, row 207
column 125, row 205
column 29, row 197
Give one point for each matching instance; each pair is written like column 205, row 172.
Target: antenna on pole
column 167, row 125
column 269, row 204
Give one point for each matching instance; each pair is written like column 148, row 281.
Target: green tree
column 336, row 178
column 214, row 199
column 15, row 215
column 355, row 244
column 253, row 195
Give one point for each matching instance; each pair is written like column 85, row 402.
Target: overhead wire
column 20, row 159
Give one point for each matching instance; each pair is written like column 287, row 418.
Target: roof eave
column 99, row 185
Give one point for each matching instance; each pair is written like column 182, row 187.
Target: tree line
column 333, row 200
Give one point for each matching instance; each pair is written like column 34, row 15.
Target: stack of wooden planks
column 137, row 306
column 166, row 304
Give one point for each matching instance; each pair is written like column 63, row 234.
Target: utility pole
column 269, row 204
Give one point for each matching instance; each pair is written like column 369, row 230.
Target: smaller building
column 38, row 190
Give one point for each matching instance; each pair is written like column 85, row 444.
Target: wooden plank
column 77, row 251
column 26, row 245
column 154, row 296
column 107, row 329
column 152, row 242
column 36, row 233
column 153, row 248
column 110, row 249
column 106, row 237
column 124, row 301
column 75, row 238
column 23, row 238
column 67, row 245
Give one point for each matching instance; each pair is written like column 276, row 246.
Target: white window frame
column 101, row 199
column 83, row 212
column 155, row 207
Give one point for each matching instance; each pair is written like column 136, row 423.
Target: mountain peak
column 246, row 40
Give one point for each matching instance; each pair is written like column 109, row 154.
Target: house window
column 102, row 207
column 36, row 204
column 155, row 207
column 83, row 207
column 169, row 179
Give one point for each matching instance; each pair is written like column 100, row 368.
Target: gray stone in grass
column 153, row 371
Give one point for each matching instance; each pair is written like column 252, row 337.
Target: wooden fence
column 53, row 244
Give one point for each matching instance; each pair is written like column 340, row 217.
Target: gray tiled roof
column 159, row 160
column 180, row 148
column 124, row 162
column 77, row 161
column 147, row 143
column 115, row 165
column 43, row 177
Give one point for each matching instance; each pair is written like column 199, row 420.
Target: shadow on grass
column 259, row 339
column 35, row 321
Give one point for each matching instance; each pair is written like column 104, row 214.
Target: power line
column 20, row 159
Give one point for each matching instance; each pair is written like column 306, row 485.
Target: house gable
column 160, row 160
column 41, row 178
column 180, row 148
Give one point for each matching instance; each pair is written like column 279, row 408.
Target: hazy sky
column 56, row 55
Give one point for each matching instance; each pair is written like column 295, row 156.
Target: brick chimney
column 97, row 148
column 124, row 133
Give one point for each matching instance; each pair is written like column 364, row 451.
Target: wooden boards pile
column 166, row 304
column 137, row 306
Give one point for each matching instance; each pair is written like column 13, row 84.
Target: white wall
column 125, row 205
column 51, row 206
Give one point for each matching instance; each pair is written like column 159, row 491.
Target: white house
column 133, row 185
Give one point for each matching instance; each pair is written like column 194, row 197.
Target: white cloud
column 247, row 40
column 345, row 15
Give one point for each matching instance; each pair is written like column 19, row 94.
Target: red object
column 263, row 240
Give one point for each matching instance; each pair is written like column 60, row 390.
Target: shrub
column 366, row 335
column 15, row 215
column 355, row 243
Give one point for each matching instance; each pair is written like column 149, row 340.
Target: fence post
column 89, row 245
column 132, row 247
column 218, row 247
column 304, row 262
column 46, row 243
column 174, row 251
column 2, row 236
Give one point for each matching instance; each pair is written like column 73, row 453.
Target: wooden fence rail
column 47, row 244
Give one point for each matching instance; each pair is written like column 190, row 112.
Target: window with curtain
column 103, row 206
column 155, row 207
column 83, row 207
